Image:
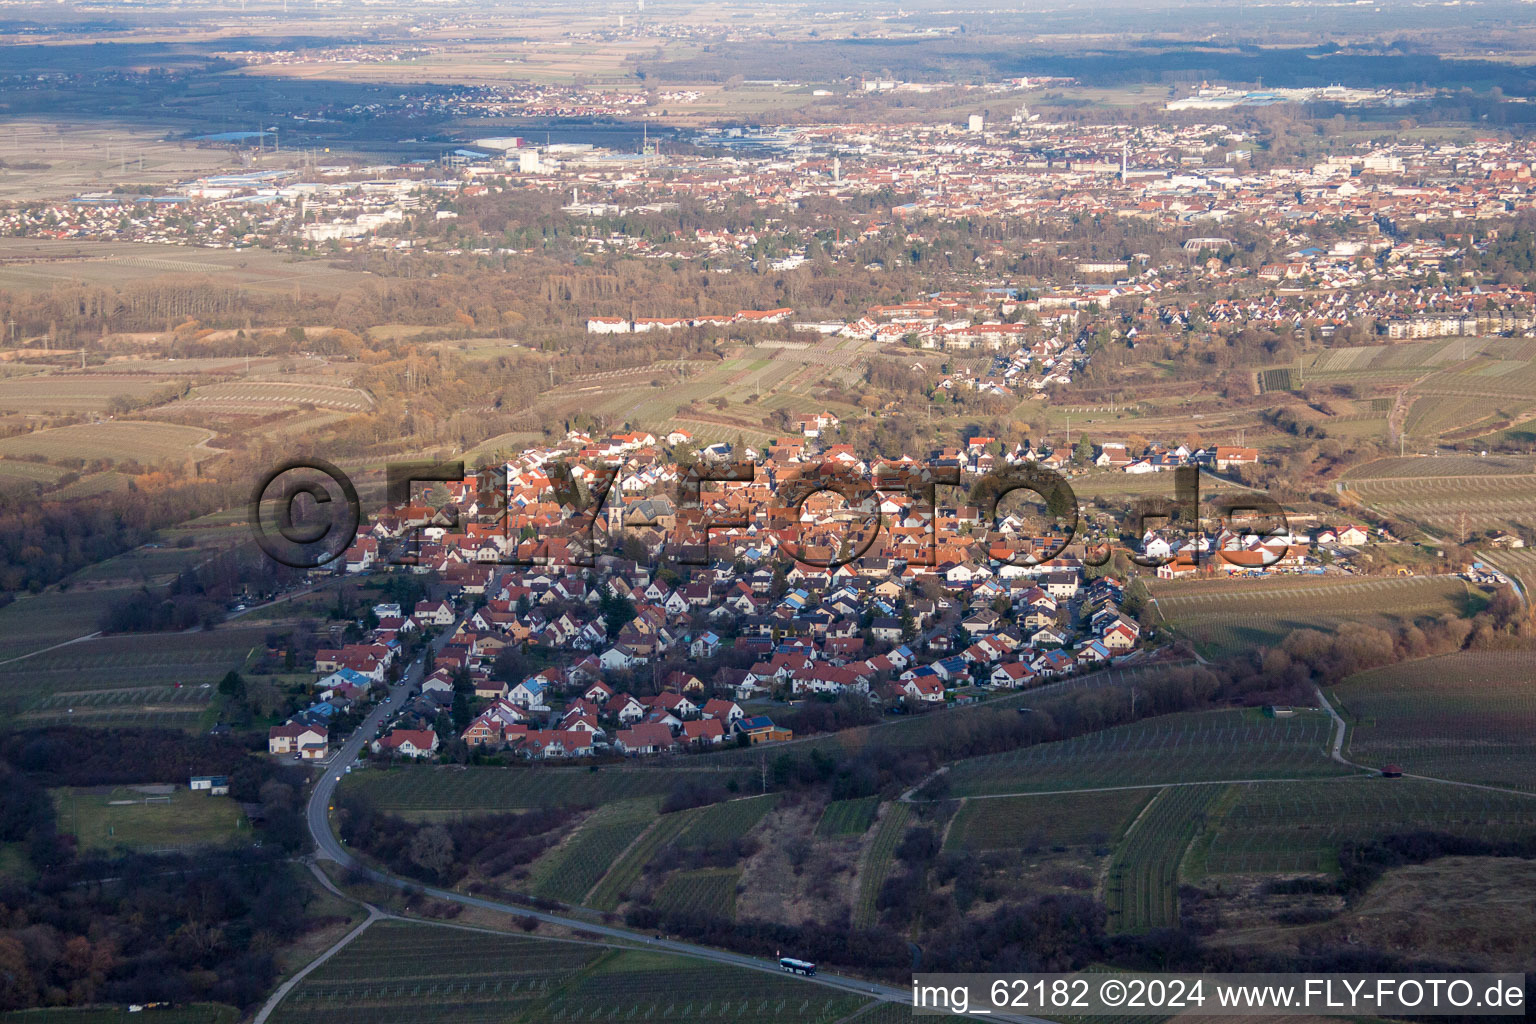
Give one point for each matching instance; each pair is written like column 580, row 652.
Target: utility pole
column 763, row 768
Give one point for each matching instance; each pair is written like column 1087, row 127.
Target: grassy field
column 1193, row 747
column 1469, row 716
column 396, row 971
column 420, row 791
column 1142, row 890
column 704, row 892
column 1027, row 822
column 848, row 817
column 119, row 440
column 1289, row 827
column 1226, row 617
column 569, row 871
column 105, row 819
column 877, row 861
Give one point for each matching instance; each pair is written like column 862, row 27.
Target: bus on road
column 805, row 967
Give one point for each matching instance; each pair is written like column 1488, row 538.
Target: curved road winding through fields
column 328, row 847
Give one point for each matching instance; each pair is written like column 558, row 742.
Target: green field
column 396, row 972
column 103, row 819
column 1298, row 826
column 1192, row 747
column 569, row 871
column 877, row 861
column 1142, row 890
column 423, row 791
column 707, row 892
column 1025, row 822
column 1469, row 716
column 1225, row 617
column 848, row 817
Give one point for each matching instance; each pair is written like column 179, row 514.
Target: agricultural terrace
column 1225, row 617
column 916, row 731
column 1448, row 503
column 698, row 826
column 1445, row 465
column 75, row 392
column 144, row 819
column 1142, row 890
column 191, row 1013
column 261, row 396
column 569, row 871
column 1283, row 827
column 1385, row 364
column 877, row 860
column 1206, row 746
column 40, row 264
column 614, row 886
column 706, row 892
column 34, row 621
column 396, row 971
column 848, row 817
column 162, row 679
column 115, row 441
column 1469, row 716
column 422, row 791
column 1028, row 822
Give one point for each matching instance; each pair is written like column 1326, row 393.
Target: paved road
column 328, row 847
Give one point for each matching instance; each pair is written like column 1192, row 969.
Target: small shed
column 214, row 785
column 1392, row 771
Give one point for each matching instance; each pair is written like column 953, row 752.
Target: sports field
column 104, row 818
